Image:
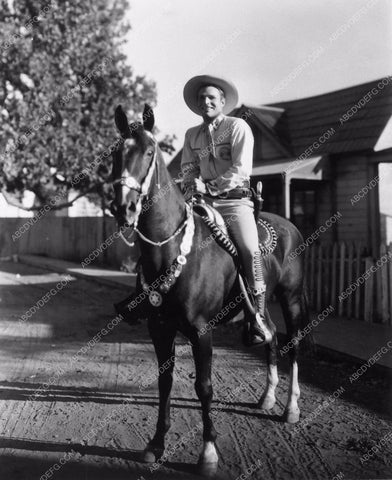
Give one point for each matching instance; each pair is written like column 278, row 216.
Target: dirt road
column 74, row 410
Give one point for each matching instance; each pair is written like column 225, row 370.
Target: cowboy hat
column 193, row 86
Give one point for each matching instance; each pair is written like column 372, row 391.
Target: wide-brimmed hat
column 193, row 86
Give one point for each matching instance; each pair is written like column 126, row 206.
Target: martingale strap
column 163, row 285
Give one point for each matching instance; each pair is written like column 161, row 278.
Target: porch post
column 374, row 228
column 286, row 195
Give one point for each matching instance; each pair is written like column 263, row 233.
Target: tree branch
column 59, row 206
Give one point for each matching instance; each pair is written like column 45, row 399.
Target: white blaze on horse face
column 130, row 184
column 130, row 154
column 127, row 183
column 135, row 160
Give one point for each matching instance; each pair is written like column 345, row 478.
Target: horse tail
column 307, row 343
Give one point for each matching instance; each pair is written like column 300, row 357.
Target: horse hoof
column 207, row 469
column 267, row 403
column 152, row 454
column 291, row 416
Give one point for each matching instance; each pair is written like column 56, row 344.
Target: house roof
column 369, row 107
column 266, row 120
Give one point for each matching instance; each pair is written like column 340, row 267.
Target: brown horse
column 206, row 281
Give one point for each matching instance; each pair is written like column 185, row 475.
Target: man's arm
column 242, row 159
column 190, row 168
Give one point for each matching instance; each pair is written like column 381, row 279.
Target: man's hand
column 200, row 186
column 188, row 194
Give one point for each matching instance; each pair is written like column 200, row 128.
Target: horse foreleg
column 268, row 399
column 202, row 352
column 164, row 345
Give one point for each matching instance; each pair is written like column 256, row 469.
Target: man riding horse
column 217, row 162
column 184, row 287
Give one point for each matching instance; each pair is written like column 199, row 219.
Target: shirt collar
column 215, row 124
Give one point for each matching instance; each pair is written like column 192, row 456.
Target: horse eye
column 150, row 152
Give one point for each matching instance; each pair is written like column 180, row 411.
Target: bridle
column 129, row 182
column 143, row 189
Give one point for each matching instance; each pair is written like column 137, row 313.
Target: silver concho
column 185, row 249
column 155, row 298
column 164, row 287
column 177, row 273
column 181, row 259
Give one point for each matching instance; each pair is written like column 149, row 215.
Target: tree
column 62, row 73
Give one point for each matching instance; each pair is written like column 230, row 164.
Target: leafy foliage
column 62, row 72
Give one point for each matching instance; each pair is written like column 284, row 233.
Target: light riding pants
column 239, row 218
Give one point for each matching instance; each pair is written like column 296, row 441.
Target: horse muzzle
column 119, row 213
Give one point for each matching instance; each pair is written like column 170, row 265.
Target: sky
column 272, row 50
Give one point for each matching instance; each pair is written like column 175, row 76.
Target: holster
column 257, row 199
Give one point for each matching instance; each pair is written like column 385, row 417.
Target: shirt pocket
column 223, row 153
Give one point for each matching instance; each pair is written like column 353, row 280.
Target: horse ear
column 148, row 118
column 122, row 122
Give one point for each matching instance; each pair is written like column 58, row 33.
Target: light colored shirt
column 220, row 153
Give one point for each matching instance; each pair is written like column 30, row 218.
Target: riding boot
column 256, row 334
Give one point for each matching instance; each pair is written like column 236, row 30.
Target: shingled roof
column 304, row 121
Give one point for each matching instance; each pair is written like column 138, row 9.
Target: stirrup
column 250, row 337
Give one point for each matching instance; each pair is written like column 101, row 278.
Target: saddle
column 214, row 220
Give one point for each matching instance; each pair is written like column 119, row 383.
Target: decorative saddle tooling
column 214, row 220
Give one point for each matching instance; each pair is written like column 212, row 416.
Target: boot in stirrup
column 256, row 332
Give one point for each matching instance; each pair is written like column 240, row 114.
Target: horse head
column 134, row 163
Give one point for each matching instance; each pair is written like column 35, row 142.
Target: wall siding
column 325, row 210
column 351, row 176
